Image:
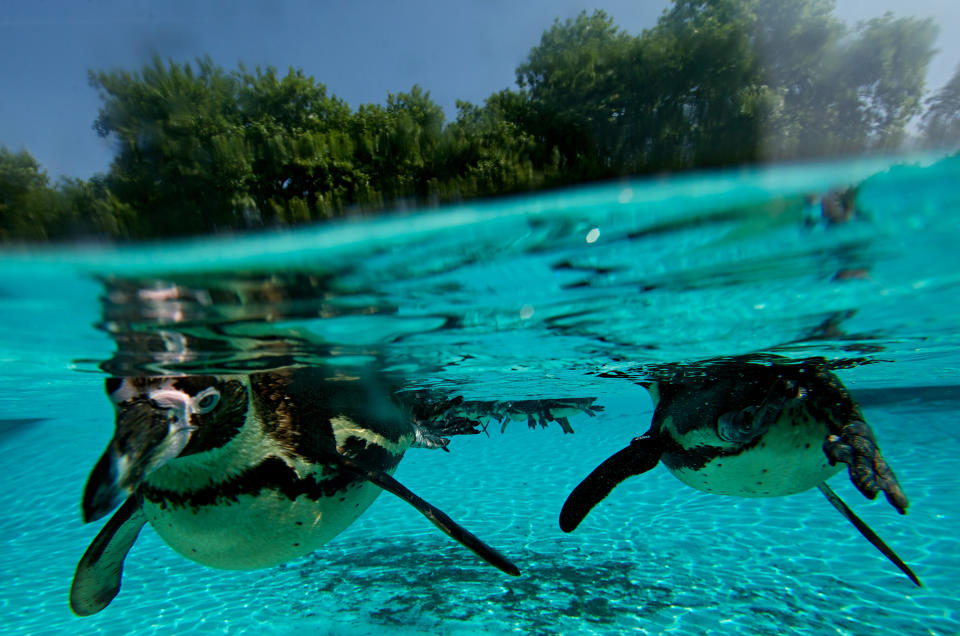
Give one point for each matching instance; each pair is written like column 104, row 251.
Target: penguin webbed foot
column 436, row 516
column 434, row 422
column 426, row 439
column 433, row 433
column 857, row 448
column 868, row 533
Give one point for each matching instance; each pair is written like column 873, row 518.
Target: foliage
column 180, row 159
column 574, row 94
column 30, row 209
column 714, row 82
column 23, row 194
column 887, row 64
column 941, row 121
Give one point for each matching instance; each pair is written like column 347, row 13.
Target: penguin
column 246, row 471
column 751, row 428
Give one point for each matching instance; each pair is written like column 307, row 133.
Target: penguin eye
column 746, row 419
column 207, row 400
column 738, row 426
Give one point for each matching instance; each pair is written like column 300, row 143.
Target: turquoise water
column 566, row 294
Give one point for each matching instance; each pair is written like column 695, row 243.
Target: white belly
column 258, row 531
column 787, row 460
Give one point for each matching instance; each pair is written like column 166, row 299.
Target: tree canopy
column 714, row 82
column 941, row 121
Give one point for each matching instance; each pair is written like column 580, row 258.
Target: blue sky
column 361, row 50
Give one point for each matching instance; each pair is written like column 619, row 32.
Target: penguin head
column 157, row 420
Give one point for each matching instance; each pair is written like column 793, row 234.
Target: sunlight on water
column 549, row 310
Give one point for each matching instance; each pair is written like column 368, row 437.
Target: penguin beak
column 149, row 433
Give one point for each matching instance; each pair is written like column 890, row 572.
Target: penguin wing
column 436, row 516
column 641, row 455
column 97, row 579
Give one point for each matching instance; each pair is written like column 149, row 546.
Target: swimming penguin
column 245, row 471
column 751, row 429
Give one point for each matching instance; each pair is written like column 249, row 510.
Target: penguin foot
column 431, row 433
column 857, row 448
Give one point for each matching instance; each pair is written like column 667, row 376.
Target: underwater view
column 241, row 402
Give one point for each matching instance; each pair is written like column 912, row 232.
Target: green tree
column 574, row 94
column 710, row 84
column 797, row 43
column 720, row 82
column 181, row 161
column 28, row 206
column 852, row 91
column 887, row 63
column 408, row 136
column 92, row 210
column 202, row 150
column 32, row 210
column 485, row 152
column 941, row 121
column 715, row 82
column 300, row 146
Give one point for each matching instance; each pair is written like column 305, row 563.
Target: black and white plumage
column 751, row 429
column 246, row 471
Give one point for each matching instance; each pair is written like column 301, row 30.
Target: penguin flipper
column 865, row 530
column 436, row 516
column 97, row 578
column 641, row 455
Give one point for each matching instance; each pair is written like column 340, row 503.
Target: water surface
column 575, row 293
